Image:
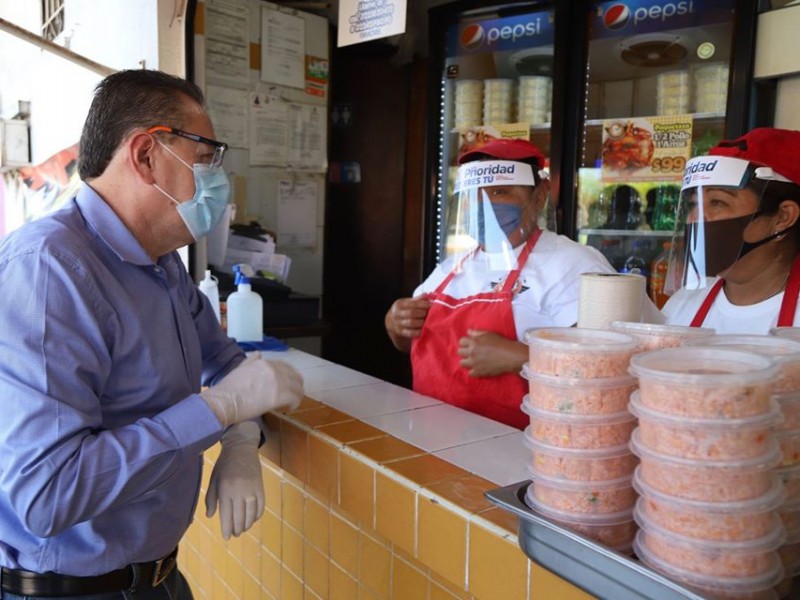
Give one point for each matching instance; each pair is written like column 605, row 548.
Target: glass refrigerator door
column 657, row 80
column 496, row 82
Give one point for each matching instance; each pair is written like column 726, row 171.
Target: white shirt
column 723, row 316
column 550, row 280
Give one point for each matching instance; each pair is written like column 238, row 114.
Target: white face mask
column 205, row 209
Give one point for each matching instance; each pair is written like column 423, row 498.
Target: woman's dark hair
column 772, row 194
column 125, row 101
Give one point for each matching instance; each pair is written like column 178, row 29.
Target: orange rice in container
column 790, row 476
column 583, row 497
column 579, row 396
column 734, row 587
column 704, row 382
column 579, row 431
column 711, row 520
column 576, row 464
column 715, row 481
column 654, row 337
column 706, row 439
column 576, row 352
column 615, row 530
column 789, row 513
column 790, row 409
column 789, row 443
column 785, row 352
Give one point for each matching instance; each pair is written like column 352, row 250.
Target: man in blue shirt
column 105, row 345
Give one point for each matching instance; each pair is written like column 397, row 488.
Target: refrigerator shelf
column 625, row 232
column 695, row 116
column 593, row 567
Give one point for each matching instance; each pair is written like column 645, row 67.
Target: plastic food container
column 583, row 497
column 790, row 408
column 789, row 514
column 790, row 476
column 784, row 351
column 789, row 443
column 579, row 431
column 579, row 352
column 653, row 337
column 707, row 439
column 615, row 530
column 581, row 465
column 741, row 587
column 718, row 481
column 579, row 396
column 789, row 333
column 714, row 521
column 723, row 559
column 704, row 382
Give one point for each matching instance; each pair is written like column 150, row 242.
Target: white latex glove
column 236, row 481
column 254, row 387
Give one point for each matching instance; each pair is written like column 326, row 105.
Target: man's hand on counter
column 486, row 354
column 405, row 319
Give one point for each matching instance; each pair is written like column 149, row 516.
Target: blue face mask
column 509, row 218
column 204, row 211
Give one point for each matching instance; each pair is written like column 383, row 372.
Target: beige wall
column 778, row 56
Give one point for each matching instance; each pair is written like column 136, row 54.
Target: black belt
column 28, row 583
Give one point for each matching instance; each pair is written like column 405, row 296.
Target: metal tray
column 592, row 567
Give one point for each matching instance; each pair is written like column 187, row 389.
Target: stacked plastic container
column 468, row 103
column 709, row 492
column 654, row 337
column 581, row 466
column 786, row 392
column 672, row 93
column 498, row 101
column 711, row 87
column 534, row 97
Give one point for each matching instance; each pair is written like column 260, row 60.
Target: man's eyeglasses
column 211, row 155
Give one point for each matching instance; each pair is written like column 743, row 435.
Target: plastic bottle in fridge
column 658, row 276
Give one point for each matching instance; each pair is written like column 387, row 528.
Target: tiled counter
column 374, row 492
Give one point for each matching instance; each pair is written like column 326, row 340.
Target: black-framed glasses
column 212, row 159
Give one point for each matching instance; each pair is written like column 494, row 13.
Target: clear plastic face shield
column 495, row 207
column 720, row 197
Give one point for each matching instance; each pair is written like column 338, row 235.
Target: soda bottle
column 635, row 263
column 611, row 249
column 658, row 276
column 666, row 203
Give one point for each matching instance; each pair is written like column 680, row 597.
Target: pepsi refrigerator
column 618, row 95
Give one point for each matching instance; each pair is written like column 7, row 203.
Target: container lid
column 577, row 339
column 766, row 462
column 789, row 333
column 703, row 366
column 602, row 383
column 578, row 484
column 574, row 419
column 683, row 331
column 768, row 419
column 720, row 585
column 780, row 349
column 770, row 500
column 789, row 473
column 597, row 519
column 593, row 453
column 784, row 398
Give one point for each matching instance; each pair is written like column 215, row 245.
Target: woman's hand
column 487, row 354
column 405, row 319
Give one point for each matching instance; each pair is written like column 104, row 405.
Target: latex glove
column 254, row 387
column 405, row 319
column 236, row 482
column 487, row 354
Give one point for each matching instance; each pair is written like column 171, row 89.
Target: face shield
column 719, row 199
column 495, row 207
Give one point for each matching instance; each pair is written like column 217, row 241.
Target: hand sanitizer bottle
column 209, row 287
column 245, row 313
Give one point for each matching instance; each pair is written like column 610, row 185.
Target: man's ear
column 140, row 150
column 788, row 214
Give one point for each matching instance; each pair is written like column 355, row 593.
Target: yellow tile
column 457, row 591
column 442, row 540
column 386, row 449
column 251, row 554
column 466, row 492
column 294, row 507
column 271, row 449
column 546, row 585
column 294, row 450
column 271, row 533
column 271, row 573
column 219, row 591
column 374, row 565
column 273, row 494
column 291, row 587
column 323, row 415
column 318, row 525
column 501, row 518
column 250, row 587
column 351, row 431
column 427, row 470
column 305, row 404
column 323, row 468
column 364, row 593
column 344, row 545
column 395, row 512
column 490, row 555
column 408, row 582
column 315, row 575
column 356, row 490
column 342, row 586
column 292, row 550
column 441, row 593
column 234, row 574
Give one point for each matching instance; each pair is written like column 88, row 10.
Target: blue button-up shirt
column 102, row 355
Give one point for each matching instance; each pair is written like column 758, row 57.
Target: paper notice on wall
column 228, row 109
column 283, row 48
column 646, row 148
column 365, row 20
column 227, row 43
column 268, row 130
column 297, row 213
column 308, row 134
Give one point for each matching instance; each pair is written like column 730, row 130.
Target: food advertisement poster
column 646, row 148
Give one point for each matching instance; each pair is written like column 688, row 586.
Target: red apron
column 788, row 304
column 435, row 360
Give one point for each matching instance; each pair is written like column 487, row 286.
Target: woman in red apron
column 740, row 206
column 462, row 332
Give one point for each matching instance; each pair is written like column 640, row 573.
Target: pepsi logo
column 617, row 16
column 472, row 37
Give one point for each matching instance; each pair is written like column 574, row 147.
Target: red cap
column 504, row 149
column 767, row 147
